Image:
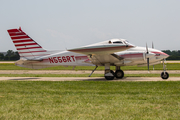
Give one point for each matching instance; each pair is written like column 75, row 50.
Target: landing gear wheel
column 119, row 74
column 164, row 75
column 110, row 77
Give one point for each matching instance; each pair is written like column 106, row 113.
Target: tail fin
column 26, row 46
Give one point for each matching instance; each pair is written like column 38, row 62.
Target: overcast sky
column 61, row 24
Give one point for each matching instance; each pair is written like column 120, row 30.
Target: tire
column 119, row 74
column 110, row 77
column 164, row 76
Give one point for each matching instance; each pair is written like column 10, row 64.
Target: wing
column 104, row 52
column 106, row 47
column 101, row 49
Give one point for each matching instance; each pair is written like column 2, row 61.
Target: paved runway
column 82, row 72
column 86, row 79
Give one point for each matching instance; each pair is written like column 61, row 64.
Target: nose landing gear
column 164, row 74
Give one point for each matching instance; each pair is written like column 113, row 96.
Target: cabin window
column 119, row 42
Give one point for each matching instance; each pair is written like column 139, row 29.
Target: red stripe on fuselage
column 132, row 55
column 162, row 53
column 81, row 57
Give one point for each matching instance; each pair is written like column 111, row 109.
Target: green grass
column 81, row 75
column 170, row 66
column 89, row 100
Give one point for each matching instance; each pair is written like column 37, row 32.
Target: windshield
column 117, row 42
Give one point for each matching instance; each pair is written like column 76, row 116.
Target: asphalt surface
column 82, row 72
column 85, row 79
column 82, row 78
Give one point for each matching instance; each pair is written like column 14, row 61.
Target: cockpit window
column 118, row 42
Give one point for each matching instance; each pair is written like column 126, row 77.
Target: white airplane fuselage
column 132, row 56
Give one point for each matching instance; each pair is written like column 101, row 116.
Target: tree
column 173, row 55
column 11, row 55
column 167, row 52
column 1, row 56
column 15, row 56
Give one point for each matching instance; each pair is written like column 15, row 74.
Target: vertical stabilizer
column 25, row 45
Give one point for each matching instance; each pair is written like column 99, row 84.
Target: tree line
column 11, row 55
column 173, row 55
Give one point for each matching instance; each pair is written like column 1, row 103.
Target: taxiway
column 86, row 79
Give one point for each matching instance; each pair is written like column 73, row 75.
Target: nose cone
column 160, row 55
column 164, row 55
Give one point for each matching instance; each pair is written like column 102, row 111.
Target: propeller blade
column 147, row 49
column 147, row 56
column 153, row 48
column 148, row 63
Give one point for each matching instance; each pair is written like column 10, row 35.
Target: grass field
column 105, row 100
column 170, row 66
column 89, row 100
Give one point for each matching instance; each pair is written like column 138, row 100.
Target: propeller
column 147, row 52
column 149, row 55
column 153, row 48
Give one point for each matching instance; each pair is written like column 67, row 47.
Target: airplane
column 113, row 52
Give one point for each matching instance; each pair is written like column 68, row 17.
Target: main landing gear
column 119, row 74
column 109, row 74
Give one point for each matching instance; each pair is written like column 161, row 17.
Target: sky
column 66, row 24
